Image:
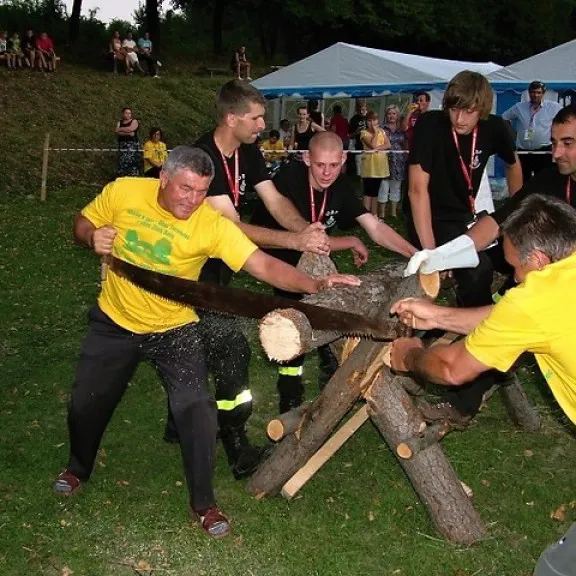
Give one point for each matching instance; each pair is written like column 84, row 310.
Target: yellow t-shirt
column 374, row 164
column 278, row 147
column 538, row 316
column 150, row 237
column 154, row 151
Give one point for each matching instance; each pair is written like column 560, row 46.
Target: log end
column 281, row 333
column 430, row 284
column 275, row 430
column 404, row 451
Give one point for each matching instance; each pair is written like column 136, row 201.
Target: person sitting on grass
column 15, row 54
column 240, row 64
column 155, row 153
column 116, row 50
column 273, row 151
column 131, row 52
column 164, row 225
column 29, row 48
column 45, row 53
column 4, row 47
column 145, row 51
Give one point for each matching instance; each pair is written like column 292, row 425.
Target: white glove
column 458, row 253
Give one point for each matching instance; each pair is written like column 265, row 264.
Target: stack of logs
column 363, row 374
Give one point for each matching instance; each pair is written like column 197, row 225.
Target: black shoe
column 287, row 404
column 243, row 458
column 171, row 437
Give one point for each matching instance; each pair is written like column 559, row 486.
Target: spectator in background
column 117, row 51
column 131, row 53
column 374, row 161
column 358, row 123
column 314, row 112
column 303, row 130
column 145, row 48
column 339, row 125
column 285, row 132
column 29, row 48
column 45, row 53
column 15, row 53
column 390, row 187
column 418, row 107
column 240, row 63
column 4, row 47
column 155, row 153
column 532, row 121
column 273, row 151
column 128, row 144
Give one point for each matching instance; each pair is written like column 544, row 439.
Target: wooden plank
column 293, row 486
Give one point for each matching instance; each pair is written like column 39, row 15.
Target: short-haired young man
column 420, row 105
column 322, row 194
column 238, row 164
column 450, row 150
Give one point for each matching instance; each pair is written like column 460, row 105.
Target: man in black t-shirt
column 358, row 123
column 238, row 164
column 322, row 194
column 449, row 153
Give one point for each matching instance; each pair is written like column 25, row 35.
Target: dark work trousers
column 150, row 62
column 108, row 360
column 290, row 374
column 227, row 354
column 473, row 288
column 533, row 163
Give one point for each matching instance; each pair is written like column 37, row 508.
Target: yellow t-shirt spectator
column 374, row 164
column 538, row 316
column 275, row 151
column 150, row 237
column 154, row 151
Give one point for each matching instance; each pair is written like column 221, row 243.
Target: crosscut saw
column 247, row 304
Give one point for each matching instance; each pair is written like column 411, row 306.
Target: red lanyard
column 467, row 171
column 313, row 206
column 569, row 190
column 233, row 183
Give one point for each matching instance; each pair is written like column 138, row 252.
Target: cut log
column 287, row 423
column 286, row 335
column 293, row 486
column 429, row 471
column 414, row 445
column 519, row 409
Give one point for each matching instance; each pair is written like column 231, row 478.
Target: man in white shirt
column 131, row 51
column 532, row 121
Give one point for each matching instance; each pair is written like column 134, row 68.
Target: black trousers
column 227, row 355
column 150, row 61
column 473, row 288
column 533, row 163
column 108, row 360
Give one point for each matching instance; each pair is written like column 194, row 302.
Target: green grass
column 357, row 515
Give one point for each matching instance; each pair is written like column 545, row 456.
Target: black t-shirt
column 342, row 205
column 548, row 182
column 357, row 123
column 252, row 171
column 434, row 149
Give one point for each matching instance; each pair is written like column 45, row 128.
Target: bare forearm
column 422, row 217
column 338, row 243
column 389, row 238
column 285, row 213
column 430, row 365
column 268, row 238
column 286, row 277
column 484, row 232
column 460, row 320
column 514, row 177
column 83, row 230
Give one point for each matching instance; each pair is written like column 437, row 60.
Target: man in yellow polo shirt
column 162, row 225
column 537, row 316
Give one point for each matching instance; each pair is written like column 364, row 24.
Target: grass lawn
column 358, row 515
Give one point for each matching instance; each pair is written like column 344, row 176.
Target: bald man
column 320, row 193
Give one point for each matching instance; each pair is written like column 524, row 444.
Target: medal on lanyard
column 232, row 182
column 568, row 191
column 313, row 206
column 467, row 171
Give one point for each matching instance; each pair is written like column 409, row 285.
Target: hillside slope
column 79, row 107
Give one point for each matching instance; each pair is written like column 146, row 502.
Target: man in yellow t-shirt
column 162, row 225
column 537, row 316
column 273, row 148
column 155, row 153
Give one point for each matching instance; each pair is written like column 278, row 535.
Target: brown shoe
column 212, row 521
column 442, row 412
column 67, row 483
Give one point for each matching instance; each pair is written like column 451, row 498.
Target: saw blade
column 245, row 303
